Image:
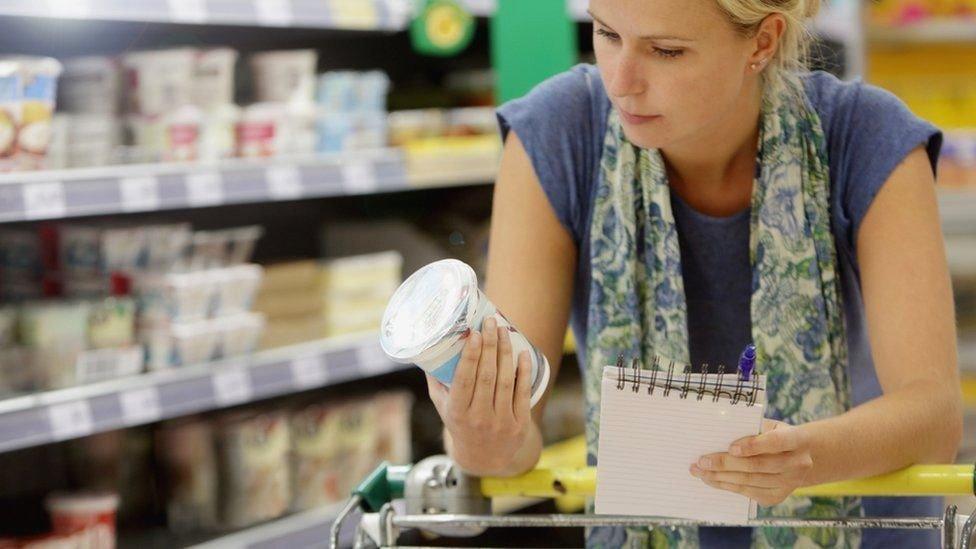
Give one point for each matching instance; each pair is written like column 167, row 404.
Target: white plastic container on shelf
column 258, row 130
column 171, row 137
column 54, row 333
column 87, row 517
column 253, row 452
column 175, row 297
column 180, row 344
column 213, row 78
column 87, row 251
column 236, row 288
column 91, row 85
column 221, row 248
column 218, row 132
column 28, row 90
column 272, row 129
column 284, row 76
column 361, row 273
column 239, row 334
column 159, row 81
column 91, row 139
column 351, row 91
column 342, row 131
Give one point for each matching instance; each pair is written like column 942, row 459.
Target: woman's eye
column 670, row 54
column 607, row 34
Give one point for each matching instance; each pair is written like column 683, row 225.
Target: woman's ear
column 766, row 40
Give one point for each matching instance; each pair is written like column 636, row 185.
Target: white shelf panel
column 53, row 416
column 56, row 194
column 371, row 15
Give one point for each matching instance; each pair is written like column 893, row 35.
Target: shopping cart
column 440, row 499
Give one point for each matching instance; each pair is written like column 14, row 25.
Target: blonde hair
column 794, row 45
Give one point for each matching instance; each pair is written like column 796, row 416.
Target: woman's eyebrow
column 645, row 37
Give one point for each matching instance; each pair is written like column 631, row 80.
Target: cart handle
column 917, row 480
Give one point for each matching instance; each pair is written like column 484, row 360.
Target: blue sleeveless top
column 562, row 123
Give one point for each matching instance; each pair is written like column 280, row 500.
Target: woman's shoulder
column 869, row 131
column 838, row 100
column 561, row 123
column 570, row 99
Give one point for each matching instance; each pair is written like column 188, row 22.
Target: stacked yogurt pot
column 430, row 314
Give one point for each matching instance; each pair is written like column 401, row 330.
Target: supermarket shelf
column 369, row 15
column 308, row 529
column 80, row 411
column 56, row 194
column 958, row 209
column 382, row 15
column 967, row 354
column 935, row 31
column 961, row 253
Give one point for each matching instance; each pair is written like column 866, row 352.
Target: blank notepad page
column 648, row 442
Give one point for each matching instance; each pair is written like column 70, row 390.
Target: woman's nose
column 628, row 79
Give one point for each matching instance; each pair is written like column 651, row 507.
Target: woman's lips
column 637, row 119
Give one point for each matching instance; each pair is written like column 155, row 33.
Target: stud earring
column 761, row 63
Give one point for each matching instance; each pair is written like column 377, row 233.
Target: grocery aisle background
column 206, row 204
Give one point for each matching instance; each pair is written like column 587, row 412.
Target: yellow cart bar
column 918, row 480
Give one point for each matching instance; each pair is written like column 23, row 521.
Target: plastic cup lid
column 83, row 502
column 427, row 307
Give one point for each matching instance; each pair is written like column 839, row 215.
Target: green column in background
column 531, row 40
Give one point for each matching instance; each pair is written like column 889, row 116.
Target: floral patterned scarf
column 637, row 301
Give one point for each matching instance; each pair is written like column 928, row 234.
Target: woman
column 693, row 192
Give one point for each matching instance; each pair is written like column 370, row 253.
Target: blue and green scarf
column 637, row 300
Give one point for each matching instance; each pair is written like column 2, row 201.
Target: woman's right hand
column 486, row 410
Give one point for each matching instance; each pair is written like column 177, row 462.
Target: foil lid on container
column 430, row 306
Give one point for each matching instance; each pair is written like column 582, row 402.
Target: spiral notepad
column 655, row 423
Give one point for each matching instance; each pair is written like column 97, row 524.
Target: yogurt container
column 426, row 321
column 92, row 513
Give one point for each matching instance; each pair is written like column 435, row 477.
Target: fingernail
column 694, row 470
column 466, row 334
column 705, row 463
column 736, row 450
column 490, row 323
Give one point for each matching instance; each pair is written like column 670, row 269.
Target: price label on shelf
column 482, row 7
column 354, row 14
column 372, row 360
column 308, row 372
column 139, row 194
column 232, row 385
column 140, row 406
column 359, row 177
column 77, row 9
column 274, row 13
column 71, row 419
column 188, row 11
column 284, row 182
column 204, row 189
column 44, row 200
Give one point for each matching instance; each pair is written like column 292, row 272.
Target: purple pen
column 747, row 361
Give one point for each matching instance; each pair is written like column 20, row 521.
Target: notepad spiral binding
column 745, row 391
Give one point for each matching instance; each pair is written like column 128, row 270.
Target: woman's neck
column 713, row 173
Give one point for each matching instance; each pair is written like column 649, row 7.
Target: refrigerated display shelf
column 306, row 529
column 367, row 15
column 76, row 412
column 948, row 30
column 958, row 209
column 57, row 194
column 378, row 15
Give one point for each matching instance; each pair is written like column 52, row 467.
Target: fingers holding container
column 432, row 321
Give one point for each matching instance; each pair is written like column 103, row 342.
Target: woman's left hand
column 766, row 467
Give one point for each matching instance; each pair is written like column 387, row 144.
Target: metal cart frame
column 441, row 499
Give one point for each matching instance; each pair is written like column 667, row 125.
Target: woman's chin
column 646, row 138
